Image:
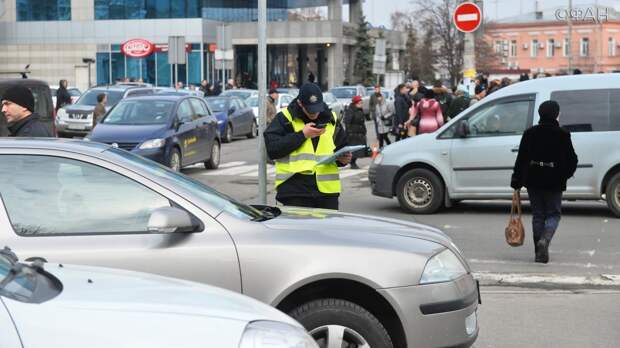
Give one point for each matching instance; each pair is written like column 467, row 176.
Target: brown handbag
column 515, row 234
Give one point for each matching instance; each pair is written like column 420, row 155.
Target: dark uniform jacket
column 281, row 140
column 30, row 126
column 62, row 98
column 549, row 144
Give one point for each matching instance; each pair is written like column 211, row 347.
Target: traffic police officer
column 300, row 136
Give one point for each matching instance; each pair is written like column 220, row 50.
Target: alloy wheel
column 336, row 336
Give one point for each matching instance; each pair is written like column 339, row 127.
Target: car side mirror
column 170, row 220
column 462, row 129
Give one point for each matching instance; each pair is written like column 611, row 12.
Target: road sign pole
column 467, row 19
column 262, row 106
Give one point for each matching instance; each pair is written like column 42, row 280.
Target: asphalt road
column 571, row 302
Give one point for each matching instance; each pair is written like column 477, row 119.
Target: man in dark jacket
column 402, row 103
column 546, row 160
column 296, row 139
column 62, row 95
column 18, row 107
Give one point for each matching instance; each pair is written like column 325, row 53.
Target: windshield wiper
column 267, row 212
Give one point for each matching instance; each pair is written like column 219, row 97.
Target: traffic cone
column 375, row 150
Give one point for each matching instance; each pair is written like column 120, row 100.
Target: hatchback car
column 351, row 280
column 77, row 119
column 333, row 104
column 173, row 130
column 69, row 306
column 43, row 104
column 346, row 93
column 234, row 117
column 472, row 156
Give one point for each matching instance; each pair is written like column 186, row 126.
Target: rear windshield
column 140, row 112
column 217, row 104
column 90, row 97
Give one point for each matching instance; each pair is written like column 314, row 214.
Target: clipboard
column 341, row 152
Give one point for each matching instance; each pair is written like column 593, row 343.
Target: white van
column 472, row 156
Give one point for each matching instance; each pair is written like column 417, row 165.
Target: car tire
column 612, row 194
column 253, row 131
column 175, row 160
column 214, row 160
column 360, row 327
column 228, row 133
column 420, row 191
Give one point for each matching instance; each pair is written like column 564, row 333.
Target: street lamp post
column 262, row 107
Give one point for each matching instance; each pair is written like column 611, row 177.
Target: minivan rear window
column 594, row 110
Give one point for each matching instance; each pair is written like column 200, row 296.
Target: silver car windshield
column 90, row 97
column 206, row 193
column 252, row 101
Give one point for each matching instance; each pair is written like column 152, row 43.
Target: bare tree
column 487, row 58
column 448, row 42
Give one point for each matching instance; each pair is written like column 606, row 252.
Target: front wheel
column 420, row 191
column 340, row 323
column 175, row 160
column 214, row 161
column 228, row 133
column 253, row 131
column 612, row 194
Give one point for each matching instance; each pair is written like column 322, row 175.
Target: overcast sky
column 378, row 11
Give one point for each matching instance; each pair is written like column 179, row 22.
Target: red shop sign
column 137, row 48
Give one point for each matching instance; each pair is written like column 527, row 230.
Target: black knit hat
column 21, row 96
column 549, row 110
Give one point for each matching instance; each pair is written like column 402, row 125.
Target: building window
column 611, row 47
column 585, row 47
column 498, row 47
column 513, row 48
column 147, row 9
column 49, row 10
column 566, row 47
column 534, row 52
column 550, row 48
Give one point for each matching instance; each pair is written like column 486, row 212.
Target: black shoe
column 542, row 252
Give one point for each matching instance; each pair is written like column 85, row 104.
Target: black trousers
column 546, row 212
column 383, row 138
column 324, row 202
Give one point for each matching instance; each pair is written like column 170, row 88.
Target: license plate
column 77, row 126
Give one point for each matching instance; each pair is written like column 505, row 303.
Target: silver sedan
column 351, row 280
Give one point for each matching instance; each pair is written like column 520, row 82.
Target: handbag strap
column 516, row 204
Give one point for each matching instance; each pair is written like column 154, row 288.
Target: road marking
column 271, row 171
column 488, row 278
column 232, row 164
column 232, row 170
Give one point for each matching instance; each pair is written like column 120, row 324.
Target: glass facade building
column 147, row 9
column 48, row 10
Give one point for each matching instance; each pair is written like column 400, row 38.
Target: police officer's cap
column 311, row 98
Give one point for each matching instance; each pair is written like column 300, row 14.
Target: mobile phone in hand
column 320, row 125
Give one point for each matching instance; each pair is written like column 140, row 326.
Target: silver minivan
column 472, row 156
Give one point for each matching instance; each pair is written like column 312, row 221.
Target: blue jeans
column 546, row 212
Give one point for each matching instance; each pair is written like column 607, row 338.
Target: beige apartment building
column 539, row 41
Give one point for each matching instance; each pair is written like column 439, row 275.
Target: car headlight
column 86, row 138
column 443, row 267
column 61, row 115
column 153, row 144
column 378, row 159
column 273, row 334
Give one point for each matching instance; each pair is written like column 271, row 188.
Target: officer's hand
column 311, row 132
column 345, row 159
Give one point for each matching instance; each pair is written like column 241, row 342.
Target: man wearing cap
column 546, row 160
column 18, row 108
column 300, row 136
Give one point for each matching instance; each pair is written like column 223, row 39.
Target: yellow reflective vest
column 304, row 159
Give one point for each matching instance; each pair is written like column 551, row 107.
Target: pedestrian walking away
column 298, row 137
column 545, row 162
column 383, row 118
column 102, row 99
column 18, row 108
column 427, row 116
column 355, row 124
column 372, row 103
column 62, row 95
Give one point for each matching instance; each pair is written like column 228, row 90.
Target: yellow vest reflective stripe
column 304, row 159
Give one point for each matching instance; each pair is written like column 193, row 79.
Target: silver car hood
column 87, row 290
column 323, row 220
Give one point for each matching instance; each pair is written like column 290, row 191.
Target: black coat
column 401, row 109
column 30, row 126
column 548, row 143
column 281, row 140
column 62, row 98
column 355, row 124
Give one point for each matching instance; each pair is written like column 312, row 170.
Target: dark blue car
column 234, row 117
column 173, row 130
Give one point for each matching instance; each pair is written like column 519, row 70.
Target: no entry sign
column 467, row 17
